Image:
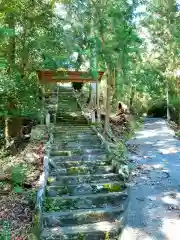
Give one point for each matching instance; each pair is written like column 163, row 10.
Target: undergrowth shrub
column 18, row 177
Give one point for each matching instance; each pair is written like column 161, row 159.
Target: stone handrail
column 118, row 161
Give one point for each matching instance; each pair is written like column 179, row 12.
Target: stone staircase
column 85, row 198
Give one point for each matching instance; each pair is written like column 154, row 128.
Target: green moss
column 76, row 170
column 107, row 237
column 98, row 216
column 61, row 153
column 65, row 190
column 51, row 204
column 95, row 124
column 177, row 134
column 112, row 187
column 50, row 180
column 81, row 236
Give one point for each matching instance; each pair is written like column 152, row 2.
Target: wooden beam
column 47, row 76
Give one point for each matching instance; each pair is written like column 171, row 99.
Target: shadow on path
column 154, row 211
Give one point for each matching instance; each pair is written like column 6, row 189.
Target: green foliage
column 50, row 205
column 26, row 33
column 177, row 134
column 112, row 187
column 160, row 56
column 76, row 170
column 6, row 32
column 107, row 236
column 103, row 33
column 5, row 233
column 31, row 196
column 121, row 150
column 18, row 177
column 81, row 236
column 17, row 189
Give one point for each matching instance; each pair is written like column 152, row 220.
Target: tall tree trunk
column 11, row 61
column 178, row 95
column 167, row 100
column 108, row 109
column 131, row 100
column 113, row 85
column 12, row 124
column 93, row 64
column 119, row 82
column 10, row 19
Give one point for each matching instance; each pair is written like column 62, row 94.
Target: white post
column 93, row 119
column 47, row 119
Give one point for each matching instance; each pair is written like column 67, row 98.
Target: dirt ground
column 18, row 192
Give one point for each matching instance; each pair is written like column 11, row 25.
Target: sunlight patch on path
column 171, row 229
column 134, row 234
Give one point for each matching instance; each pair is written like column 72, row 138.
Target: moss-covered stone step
column 71, row 118
column 71, row 127
column 66, row 158
column 64, row 90
column 85, row 188
column 79, row 179
column 99, row 200
column 74, row 121
column 76, row 151
column 59, row 128
column 76, row 137
column 68, row 164
column 84, row 170
column 64, row 99
column 66, row 96
column 65, row 123
column 70, row 107
column 65, row 104
column 80, row 217
column 75, row 134
column 94, row 231
column 77, row 157
column 70, row 97
column 69, row 114
column 75, row 145
column 82, row 141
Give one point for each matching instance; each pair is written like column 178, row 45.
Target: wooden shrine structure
column 48, row 77
column 63, row 76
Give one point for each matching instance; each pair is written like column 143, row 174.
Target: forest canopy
column 135, row 42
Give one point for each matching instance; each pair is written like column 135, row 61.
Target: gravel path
column 154, row 211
